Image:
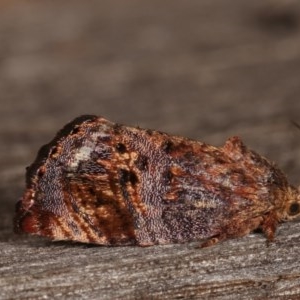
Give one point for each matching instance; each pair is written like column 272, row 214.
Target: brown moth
column 108, row 184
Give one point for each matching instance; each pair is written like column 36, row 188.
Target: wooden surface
column 204, row 69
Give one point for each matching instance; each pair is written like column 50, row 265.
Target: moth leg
column 269, row 225
column 214, row 240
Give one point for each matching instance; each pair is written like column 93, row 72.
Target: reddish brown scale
column 104, row 183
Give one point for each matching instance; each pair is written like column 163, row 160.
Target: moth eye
column 294, row 209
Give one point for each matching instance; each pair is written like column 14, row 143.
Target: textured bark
column 200, row 69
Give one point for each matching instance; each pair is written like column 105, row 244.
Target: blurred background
column 203, row 69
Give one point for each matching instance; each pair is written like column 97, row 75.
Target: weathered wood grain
column 33, row 268
column 204, row 69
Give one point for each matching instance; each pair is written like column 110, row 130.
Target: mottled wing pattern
column 103, row 183
column 213, row 191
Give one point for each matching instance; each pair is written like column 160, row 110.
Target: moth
column 103, row 183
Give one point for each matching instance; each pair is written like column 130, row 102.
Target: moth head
column 292, row 205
